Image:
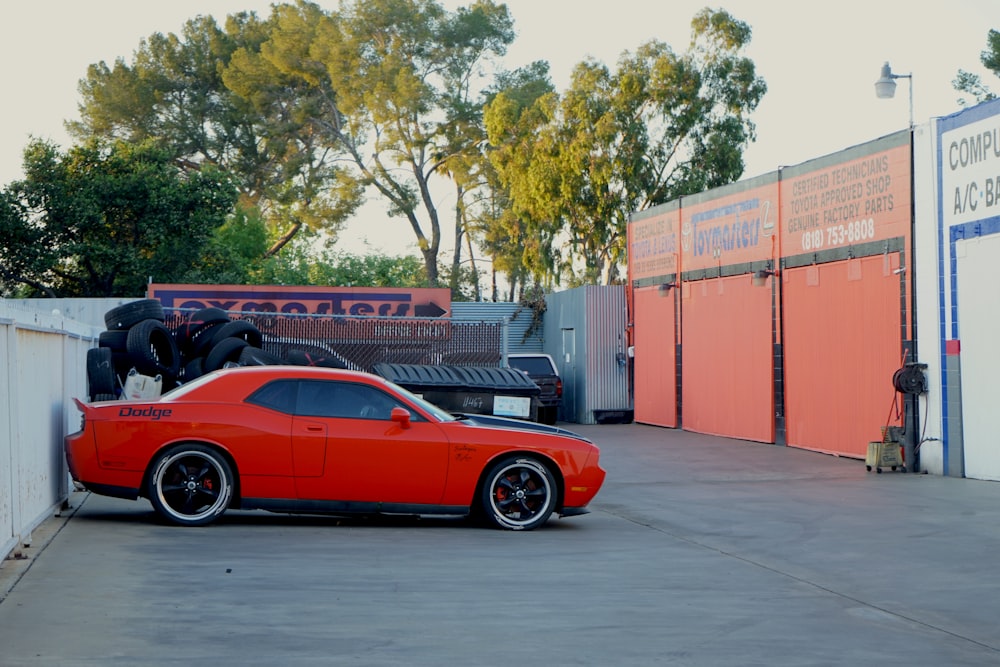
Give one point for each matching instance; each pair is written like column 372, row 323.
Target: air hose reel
column 910, row 379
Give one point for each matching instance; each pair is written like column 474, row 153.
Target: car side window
column 278, row 395
column 349, row 400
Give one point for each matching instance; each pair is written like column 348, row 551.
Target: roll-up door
column 727, row 358
column 655, row 360
column 842, row 343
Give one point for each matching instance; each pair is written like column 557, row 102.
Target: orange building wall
column 808, row 359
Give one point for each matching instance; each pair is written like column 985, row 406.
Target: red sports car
column 319, row 440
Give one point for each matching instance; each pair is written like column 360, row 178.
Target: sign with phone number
column 855, row 201
column 858, row 231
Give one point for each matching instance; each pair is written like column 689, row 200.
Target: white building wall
column 963, row 259
column 926, row 285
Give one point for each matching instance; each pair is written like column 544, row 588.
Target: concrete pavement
column 698, row 551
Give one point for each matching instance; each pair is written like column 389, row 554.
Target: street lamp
column 885, row 87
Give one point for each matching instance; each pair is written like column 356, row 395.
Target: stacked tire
column 138, row 337
column 209, row 339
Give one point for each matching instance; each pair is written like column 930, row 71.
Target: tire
column 254, row 356
column 228, row 349
column 201, row 341
column 193, row 369
column 153, row 350
column 127, row 315
column 300, row 358
column 190, row 327
column 519, row 493
column 547, row 414
column 244, row 329
column 190, row 485
column 100, row 372
column 122, row 363
column 114, row 340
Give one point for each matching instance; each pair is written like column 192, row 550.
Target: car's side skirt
column 296, row 506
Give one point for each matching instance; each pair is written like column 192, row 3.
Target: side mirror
column 401, row 416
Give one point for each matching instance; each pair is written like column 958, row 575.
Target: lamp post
column 885, row 87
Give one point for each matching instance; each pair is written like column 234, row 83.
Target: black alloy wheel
column 191, row 485
column 519, row 494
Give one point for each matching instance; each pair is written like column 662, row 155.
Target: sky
column 820, row 60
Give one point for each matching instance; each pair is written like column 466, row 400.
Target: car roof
column 243, row 380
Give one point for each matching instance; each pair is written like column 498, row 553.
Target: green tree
column 508, row 236
column 660, row 126
column 972, row 84
column 25, row 258
column 236, row 252
column 397, row 79
column 303, row 263
column 186, row 92
column 98, row 221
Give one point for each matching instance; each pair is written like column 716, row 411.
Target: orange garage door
column 655, row 339
column 843, row 342
column 727, row 358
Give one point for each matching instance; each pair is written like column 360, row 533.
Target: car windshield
column 438, row 413
column 531, row 365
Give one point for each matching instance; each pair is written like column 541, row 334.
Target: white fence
column 43, row 366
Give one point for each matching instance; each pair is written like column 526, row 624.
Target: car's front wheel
column 190, row 485
column 519, row 494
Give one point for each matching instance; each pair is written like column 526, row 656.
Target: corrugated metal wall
column 585, row 333
column 518, row 318
column 606, row 379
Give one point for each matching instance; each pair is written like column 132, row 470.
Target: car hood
column 491, row 421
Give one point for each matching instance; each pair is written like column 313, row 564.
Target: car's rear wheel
column 519, row 494
column 191, row 485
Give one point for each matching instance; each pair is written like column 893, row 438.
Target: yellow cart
column 885, row 454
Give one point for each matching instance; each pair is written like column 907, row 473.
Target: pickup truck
column 542, row 370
